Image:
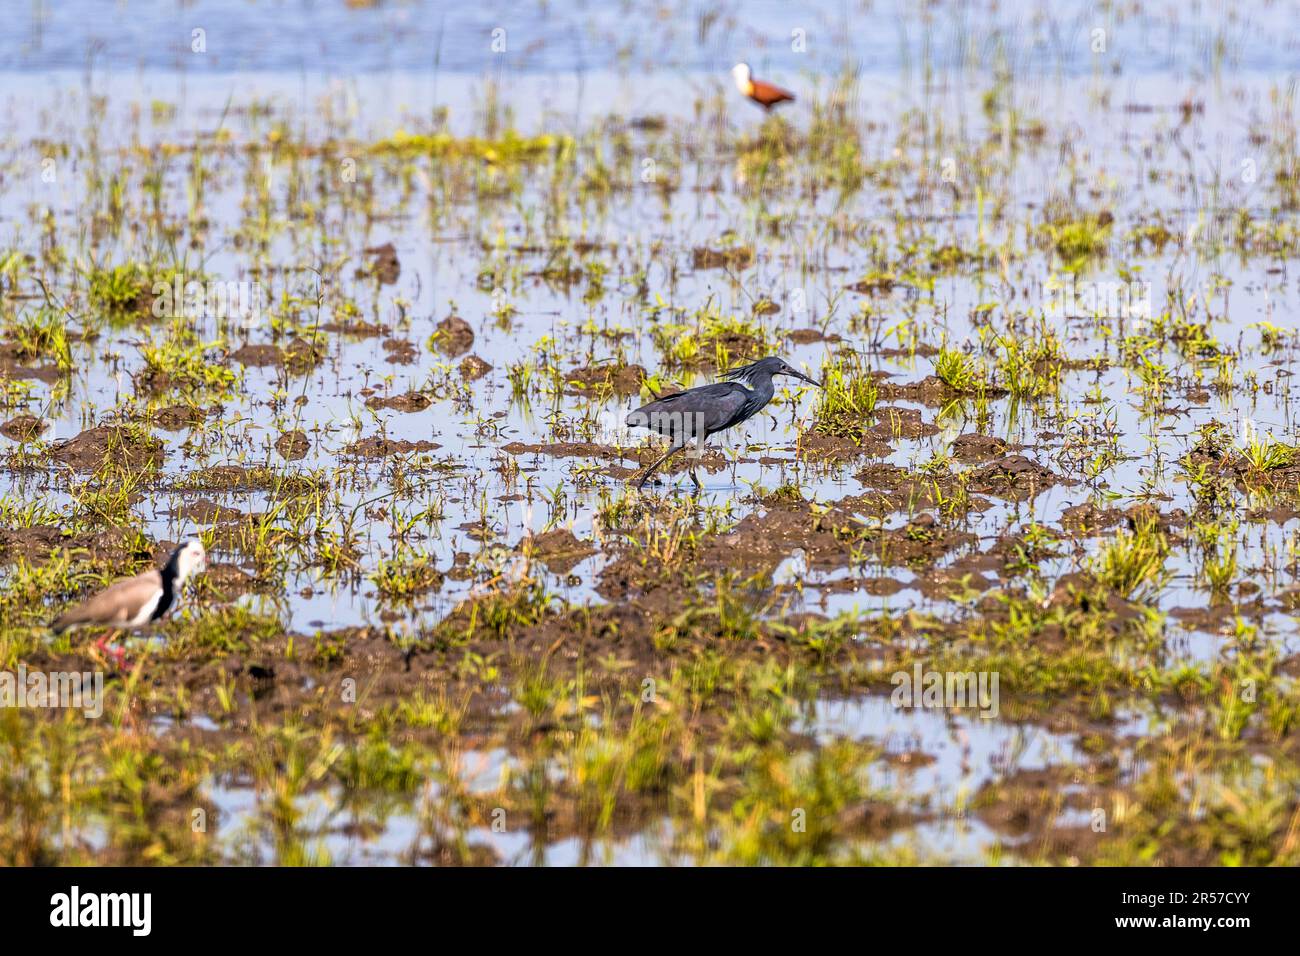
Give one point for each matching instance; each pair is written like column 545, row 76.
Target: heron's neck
column 761, row 386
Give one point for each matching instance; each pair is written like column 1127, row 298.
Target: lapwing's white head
column 189, row 558
column 744, row 81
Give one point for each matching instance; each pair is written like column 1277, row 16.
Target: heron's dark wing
column 732, row 405
column 695, row 413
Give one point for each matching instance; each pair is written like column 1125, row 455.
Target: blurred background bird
column 764, row 94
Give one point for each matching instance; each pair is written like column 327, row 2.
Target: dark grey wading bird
column 704, row 411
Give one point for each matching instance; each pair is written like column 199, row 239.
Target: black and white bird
column 700, row 412
column 133, row 602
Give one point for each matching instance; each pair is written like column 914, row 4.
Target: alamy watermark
column 1116, row 299
column 133, row 911
column 946, row 690
column 686, row 430
column 41, row 690
column 238, row 300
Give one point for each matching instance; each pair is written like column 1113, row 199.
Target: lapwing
column 133, row 602
column 764, row 94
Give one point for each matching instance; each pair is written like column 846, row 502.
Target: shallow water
column 683, row 35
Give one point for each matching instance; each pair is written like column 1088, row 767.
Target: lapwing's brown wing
column 767, row 95
column 117, row 604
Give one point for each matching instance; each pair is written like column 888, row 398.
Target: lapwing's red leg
column 116, row 655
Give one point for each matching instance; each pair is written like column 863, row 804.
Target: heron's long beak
column 810, row 381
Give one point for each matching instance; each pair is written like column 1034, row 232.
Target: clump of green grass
column 1132, row 564
column 790, row 802
column 439, row 712
column 1030, row 365
column 715, row 338
column 181, row 361
column 957, row 370
column 521, row 377
column 1264, row 453
column 508, row 148
column 1240, row 814
column 403, row 577
column 118, row 289
column 847, row 400
column 502, row 611
column 1221, row 568
column 1079, row 240
column 788, row 493
column 220, row 630
column 604, row 767
column 44, row 335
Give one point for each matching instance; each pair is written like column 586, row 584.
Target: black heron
column 704, row 411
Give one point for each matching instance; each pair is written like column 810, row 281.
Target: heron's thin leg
column 673, row 448
column 699, row 450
